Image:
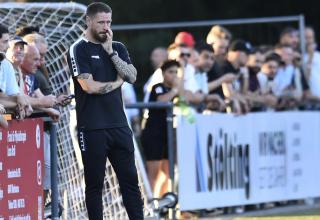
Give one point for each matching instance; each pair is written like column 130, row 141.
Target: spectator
column 312, row 60
column 15, row 55
column 237, row 57
column 158, row 56
column 182, row 54
column 268, row 71
column 41, row 74
column 8, row 85
column 28, row 67
column 154, row 135
column 290, row 36
column 219, row 37
column 255, row 61
column 288, row 80
column 205, row 63
column 186, row 38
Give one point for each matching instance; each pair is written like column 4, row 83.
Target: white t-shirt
column 8, row 82
column 314, row 80
column 202, row 80
column 190, row 82
column 283, row 79
column 266, row 85
column 129, row 97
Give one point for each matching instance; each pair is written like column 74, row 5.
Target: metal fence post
column 302, row 39
column 54, row 172
column 171, row 153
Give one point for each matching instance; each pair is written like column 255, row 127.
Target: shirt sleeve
column 122, row 52
column 156, row 91
column 78, row 59
column 12, row 87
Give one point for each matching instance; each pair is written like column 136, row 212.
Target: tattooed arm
column 94, row 87
column 126, row 71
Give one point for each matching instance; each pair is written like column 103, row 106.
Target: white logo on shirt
column 95, row 56
column 159, row 90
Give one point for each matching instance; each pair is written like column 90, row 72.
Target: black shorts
column 154, row 144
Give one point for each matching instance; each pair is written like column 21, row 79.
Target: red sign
column 21, row 170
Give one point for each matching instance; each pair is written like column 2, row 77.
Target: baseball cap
column 16, row 40
column 240, row 45
column 185, row 38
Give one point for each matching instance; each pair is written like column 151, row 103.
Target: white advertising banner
column 227, row 160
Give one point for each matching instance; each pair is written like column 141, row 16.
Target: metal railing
column 168, row 107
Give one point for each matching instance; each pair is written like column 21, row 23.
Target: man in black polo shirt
column 99, row 67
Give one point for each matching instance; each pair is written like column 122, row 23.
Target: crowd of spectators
column 222, row 74
column 24, row 84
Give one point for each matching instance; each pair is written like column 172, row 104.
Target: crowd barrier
column 226, row 160
column 22, row 170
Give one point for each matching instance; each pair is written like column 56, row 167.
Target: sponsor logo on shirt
column 95, row 57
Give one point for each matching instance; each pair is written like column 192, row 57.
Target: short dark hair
column 168, row 64
column 287, row 30
column 23, row 31
column 3, row 30
column 97, row 7
column 273, row 57
column 203, row 47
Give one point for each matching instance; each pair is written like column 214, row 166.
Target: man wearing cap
column 236, row 58
column 9, row 90
column 15, row 55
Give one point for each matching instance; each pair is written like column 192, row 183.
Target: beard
column 97, row 36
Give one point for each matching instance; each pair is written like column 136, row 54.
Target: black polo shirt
column 217, row 71
column 97, row 111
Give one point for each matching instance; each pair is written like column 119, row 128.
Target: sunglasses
column 185, row 55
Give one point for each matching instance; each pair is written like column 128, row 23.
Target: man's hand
column 107, row 45
column 48, row 100
column 216, row 102
column 229, row 78
column 63, row 100
column 54, row 114
column 22, row 101
column 20, row 113
column 28, row 110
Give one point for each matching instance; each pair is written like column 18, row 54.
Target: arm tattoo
column 127, row 71
column 110, row 86
column 105, row 89
column 84, row 76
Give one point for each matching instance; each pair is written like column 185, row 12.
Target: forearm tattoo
column 110, row 86
column 105, row 89
column 127, row 71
